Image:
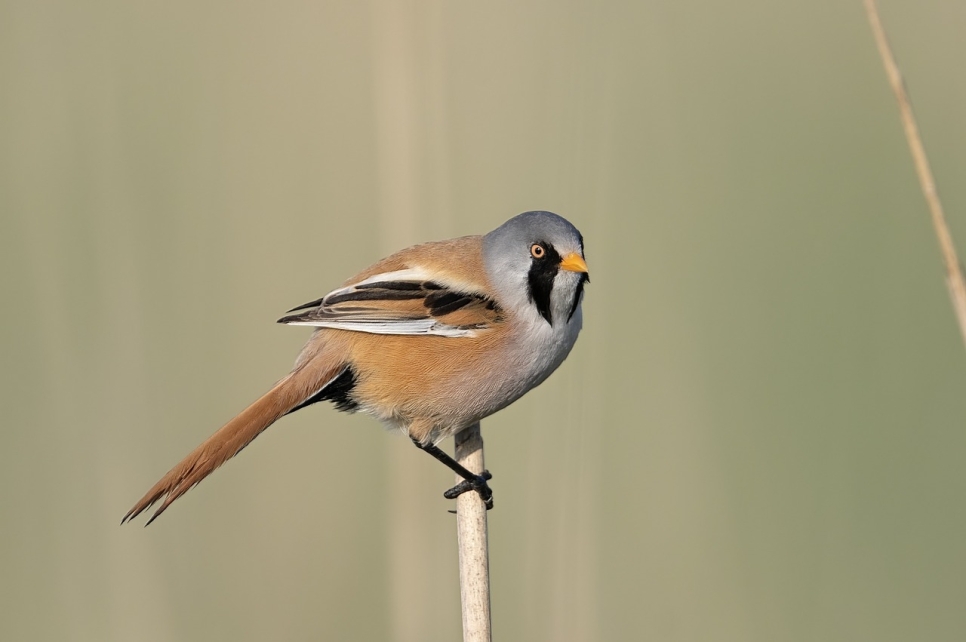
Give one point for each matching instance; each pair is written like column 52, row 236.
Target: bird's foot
column 477, row 483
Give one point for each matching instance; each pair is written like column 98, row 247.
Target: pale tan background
column 759, row 436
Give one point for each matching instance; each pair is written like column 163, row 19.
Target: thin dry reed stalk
column 954, row 273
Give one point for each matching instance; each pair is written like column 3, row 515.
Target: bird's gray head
column 537, row 259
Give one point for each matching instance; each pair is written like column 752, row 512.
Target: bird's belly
column 432, row 387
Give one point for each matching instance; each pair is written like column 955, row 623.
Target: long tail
column 289, row 393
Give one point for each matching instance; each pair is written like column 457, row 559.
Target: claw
column 477, row 483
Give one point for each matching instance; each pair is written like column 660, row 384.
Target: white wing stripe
column 409, row 274
column 416, row 326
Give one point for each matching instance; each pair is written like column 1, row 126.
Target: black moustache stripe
column 580, row 289
column 540, row 280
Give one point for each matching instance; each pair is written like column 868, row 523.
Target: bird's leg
column 471, row 481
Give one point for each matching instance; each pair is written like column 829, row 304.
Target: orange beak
column 573, row 262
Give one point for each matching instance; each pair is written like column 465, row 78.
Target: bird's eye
column 537, row 251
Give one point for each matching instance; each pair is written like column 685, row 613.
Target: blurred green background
column 759, row 435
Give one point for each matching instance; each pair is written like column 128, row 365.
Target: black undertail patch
column 338, row 391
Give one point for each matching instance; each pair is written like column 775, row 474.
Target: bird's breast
column 451, row 382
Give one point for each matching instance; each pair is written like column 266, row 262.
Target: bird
column 429, row 341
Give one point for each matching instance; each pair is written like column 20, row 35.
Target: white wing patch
column 410, row 275
column 414, row 326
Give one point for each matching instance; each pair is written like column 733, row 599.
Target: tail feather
column 231, row 438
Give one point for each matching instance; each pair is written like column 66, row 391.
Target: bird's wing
column 411, row 301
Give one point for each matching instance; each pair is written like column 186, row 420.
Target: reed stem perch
column 473, row 551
